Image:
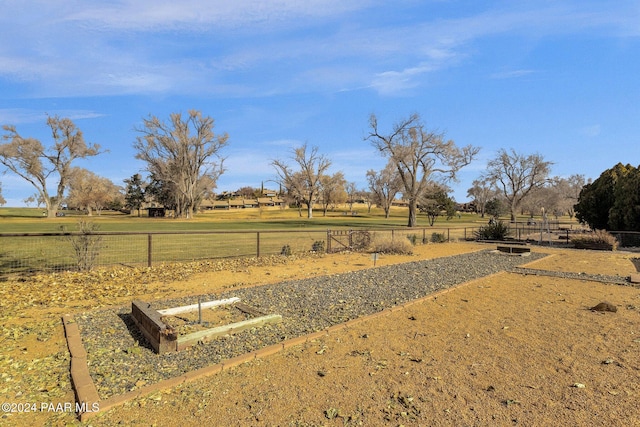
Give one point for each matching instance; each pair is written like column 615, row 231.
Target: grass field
column 30, row 220
column 134, row 241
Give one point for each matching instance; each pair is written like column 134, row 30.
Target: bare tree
column 304, row 184
column 332, row 190
column 352, row 192
column 482, row 191
column 384, row 185
column 2, row 200
column 544, row 198
column 249, row 192
column 421, row 156
column 181, row 153
column 569, row 191
column 90, row 191
column 29, row 159
column 366, row 197
column 516, row 176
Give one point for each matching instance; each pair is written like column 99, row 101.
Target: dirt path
column 504, row 350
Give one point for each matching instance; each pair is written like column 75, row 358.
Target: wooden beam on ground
column 248, row 309
column 194, row 307
column 195, row 337
column 514, row 249
column 161, row 336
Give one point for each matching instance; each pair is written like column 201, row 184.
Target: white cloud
column 511, row 74
column 85, row 48
column 397, row 82
column 591, row 131
column 22, row 115
column 198, row 15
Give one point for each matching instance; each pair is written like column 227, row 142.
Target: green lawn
column 30, row 220
column 132, row 240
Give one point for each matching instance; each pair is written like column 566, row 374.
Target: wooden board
column 195, row 337
column 248, row 309
column 514, row 249
column 149, row 322
column 194, row 307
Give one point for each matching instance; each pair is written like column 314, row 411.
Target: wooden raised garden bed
column 177, row 328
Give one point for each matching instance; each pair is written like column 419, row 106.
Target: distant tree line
column 183, row 158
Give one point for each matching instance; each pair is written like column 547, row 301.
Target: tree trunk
column 51, row 207
column 310, row 210
column 413, row 207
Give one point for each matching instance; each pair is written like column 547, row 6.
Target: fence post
column 258, row 244
column 149, row 250
column 424, row 236
column 328, row 241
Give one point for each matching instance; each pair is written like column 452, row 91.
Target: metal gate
column 347, row 240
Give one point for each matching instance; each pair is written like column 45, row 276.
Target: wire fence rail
column 77, row 251
column 68, row 251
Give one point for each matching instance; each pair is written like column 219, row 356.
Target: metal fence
column 51, row 252
column 627, row 239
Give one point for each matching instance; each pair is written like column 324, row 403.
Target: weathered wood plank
column 161, row 336
column 248, row 309
column 514, row 249
column 193, row 338
column 194, row 307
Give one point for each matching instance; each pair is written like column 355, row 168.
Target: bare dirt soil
column 507, row 349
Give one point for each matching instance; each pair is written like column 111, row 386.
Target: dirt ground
column 504, row 350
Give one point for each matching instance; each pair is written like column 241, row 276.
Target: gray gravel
column 120, row 360
column 602, row 278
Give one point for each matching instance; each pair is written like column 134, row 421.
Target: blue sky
column 560, row 78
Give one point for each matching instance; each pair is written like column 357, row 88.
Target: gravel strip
column 120, row 360
column 602, row 278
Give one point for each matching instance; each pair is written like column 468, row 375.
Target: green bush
column 438, row 238
column 599, row 239
column 318, row 246
column 497, row 230
column 413, row 238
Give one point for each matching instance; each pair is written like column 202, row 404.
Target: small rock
column 604, row 306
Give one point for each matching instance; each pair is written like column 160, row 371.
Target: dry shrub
column 387, row 245
column 599, row 239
